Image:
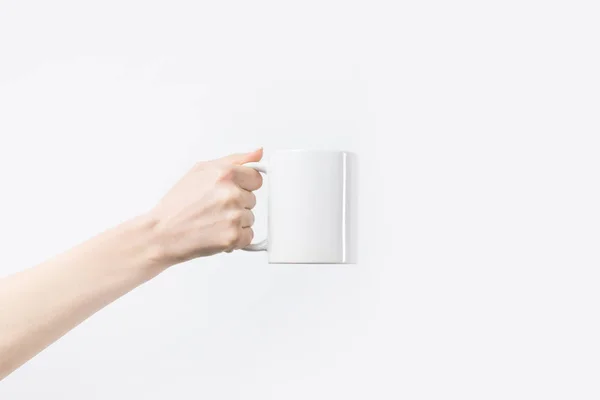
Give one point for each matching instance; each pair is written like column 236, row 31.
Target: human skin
column 207, row 212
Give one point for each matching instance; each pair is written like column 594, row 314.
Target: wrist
column 152, row 247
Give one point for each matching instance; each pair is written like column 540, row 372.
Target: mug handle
column 262, row 245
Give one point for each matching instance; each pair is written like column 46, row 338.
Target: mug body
column 309, row 207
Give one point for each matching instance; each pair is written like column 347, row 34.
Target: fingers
column 242, row 234
column 247, row 219
column 247, row 178
column 246, row 236
column 242, row 158
column 232, row 196
column 247, row 199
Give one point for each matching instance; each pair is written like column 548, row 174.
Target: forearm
column 207, row 212
column 39, row 305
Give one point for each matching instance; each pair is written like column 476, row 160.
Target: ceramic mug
column 311, row 207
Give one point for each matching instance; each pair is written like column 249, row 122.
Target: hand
column 209, row 210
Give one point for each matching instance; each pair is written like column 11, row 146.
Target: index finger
column 247, row 178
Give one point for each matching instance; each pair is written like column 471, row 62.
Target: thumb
column 242, row 158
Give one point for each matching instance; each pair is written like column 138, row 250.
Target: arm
column 205, row 213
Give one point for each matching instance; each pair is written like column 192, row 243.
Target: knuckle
column 238, row 195
column 235, row 196
column 230, row 194
column 230, row 238
column 235, row 217
column 226, row 174
column 246, row 238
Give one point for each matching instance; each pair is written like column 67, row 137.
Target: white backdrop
column 476, row 125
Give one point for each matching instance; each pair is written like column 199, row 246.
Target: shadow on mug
column 351, row 184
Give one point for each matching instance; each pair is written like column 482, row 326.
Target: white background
column 476, row 124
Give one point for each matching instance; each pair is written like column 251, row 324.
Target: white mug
column 312, row 204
